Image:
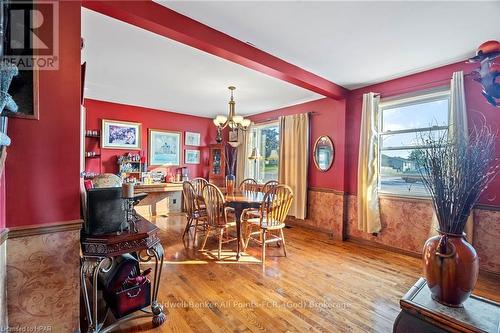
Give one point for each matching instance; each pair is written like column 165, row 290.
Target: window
column 265, row 139
column 402, row 121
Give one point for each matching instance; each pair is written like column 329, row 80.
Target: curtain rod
column 418, row 85
column 263, row 121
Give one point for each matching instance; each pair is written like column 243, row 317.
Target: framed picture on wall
column 24, row 91
column 116, row 134
column 192, row 156
column 164, row 148
column 19, row 46
column 192, row 139
column 233, row 135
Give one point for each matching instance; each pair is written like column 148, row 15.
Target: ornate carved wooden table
column 97, row 255
column 240, row 201
column 421, row 314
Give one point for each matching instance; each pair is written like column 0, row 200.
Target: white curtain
column 294, row 159
column 242, row 155
column 458, row 130
column 368, row 159
column 458, row 127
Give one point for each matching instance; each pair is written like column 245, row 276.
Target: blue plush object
column 4, row 139
column 7, row 72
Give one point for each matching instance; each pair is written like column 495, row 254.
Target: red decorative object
column 451, row 267
column 488, row 54
column 488, row 47
column 126, row 301
column 88, row 184
column 137, row 280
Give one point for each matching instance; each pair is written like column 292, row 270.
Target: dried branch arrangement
column 230, row 159
column 456, row 172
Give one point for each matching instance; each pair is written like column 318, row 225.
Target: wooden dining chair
column 252, row 212
column 248, row 184
column 273, row 212
column 269, row 185
column 194, row 212
column 217, row 216
column 251, row 185
column 198, row 185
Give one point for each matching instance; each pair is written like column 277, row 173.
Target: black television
column 105, row 210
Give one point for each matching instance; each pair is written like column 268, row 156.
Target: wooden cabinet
column 217, row 165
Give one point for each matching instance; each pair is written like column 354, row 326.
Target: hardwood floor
column 322, row 286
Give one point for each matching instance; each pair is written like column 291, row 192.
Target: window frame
column 422, row 96
column 255, row 141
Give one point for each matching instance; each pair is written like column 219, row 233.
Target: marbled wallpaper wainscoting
column 487, row 238
column 3, row 276
column 43, row 281
column 406, row 225
column 325, row 212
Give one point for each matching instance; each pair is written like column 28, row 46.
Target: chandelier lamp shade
column 232, row 120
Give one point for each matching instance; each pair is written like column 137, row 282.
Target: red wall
column 42, row 179
column 476, row 107
column 150, row 118
column 329, row 119
column 2, row 201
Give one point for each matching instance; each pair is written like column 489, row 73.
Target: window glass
column 400, row 174
column 263, row 166
column 416, row 115
column 403, row 125
column 412, row 139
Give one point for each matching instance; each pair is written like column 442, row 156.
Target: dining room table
column 239, row 201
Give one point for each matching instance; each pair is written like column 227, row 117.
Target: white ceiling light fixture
column 232, row 120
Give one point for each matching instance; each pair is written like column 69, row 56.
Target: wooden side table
column 97, row 256
column 421, row 314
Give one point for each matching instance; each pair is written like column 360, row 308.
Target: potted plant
column 456, row 171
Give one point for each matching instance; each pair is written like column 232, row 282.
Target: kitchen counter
column 158, row 187
column 163, row 199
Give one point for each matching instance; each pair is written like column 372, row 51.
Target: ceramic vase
column 451, row 267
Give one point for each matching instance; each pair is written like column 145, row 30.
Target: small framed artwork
column 192, row 139
column 17, row 44
column 164, row 148
column 24, row 91
column 117, row 134
column 192, row 156
column 233, row 135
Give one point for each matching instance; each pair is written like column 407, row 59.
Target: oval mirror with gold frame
column 324, row 153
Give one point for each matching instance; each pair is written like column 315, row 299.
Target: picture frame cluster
column 164, row 146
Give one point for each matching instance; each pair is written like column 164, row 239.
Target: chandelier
column 232, row 120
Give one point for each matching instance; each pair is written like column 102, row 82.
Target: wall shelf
column 130, row 166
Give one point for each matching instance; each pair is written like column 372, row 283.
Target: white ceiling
column 355, row 43
column 128, row 65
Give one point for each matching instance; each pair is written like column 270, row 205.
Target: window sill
column 413, row 198
column 403, row 197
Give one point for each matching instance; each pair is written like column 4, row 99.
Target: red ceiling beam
column 166, row 22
